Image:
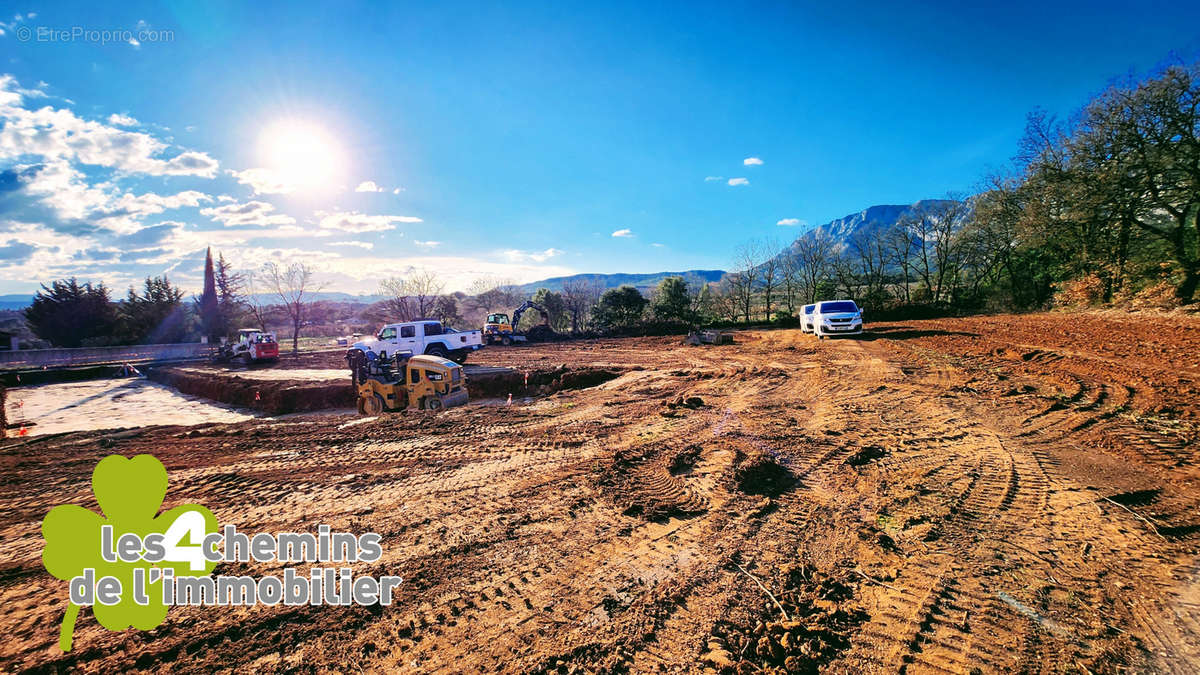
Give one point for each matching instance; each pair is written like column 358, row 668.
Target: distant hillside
column 324, row 296
column 640, row 281
column 871, row 220
column 15, row 301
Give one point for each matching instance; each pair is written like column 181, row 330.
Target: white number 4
column 191, row 524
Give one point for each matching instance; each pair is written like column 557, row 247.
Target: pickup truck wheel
column 459, row 356
column 438, row 351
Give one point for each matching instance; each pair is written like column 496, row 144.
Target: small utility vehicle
column 252, row 346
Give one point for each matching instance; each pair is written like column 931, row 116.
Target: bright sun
column 302, row 154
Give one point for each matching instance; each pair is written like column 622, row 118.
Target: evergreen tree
column 68, row 313
column 672, row 304
column 210, row 312
column 155, row 317
column 619, row 308
column 231, row 301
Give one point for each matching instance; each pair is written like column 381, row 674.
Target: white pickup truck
column 423, row 337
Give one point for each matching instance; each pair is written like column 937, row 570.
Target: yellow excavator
column 423, row 382
column 497, row 327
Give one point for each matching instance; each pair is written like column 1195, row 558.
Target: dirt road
column 976, row 495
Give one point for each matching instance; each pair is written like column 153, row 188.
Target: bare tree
column 869, row 258
column 747, row 274
column 256, row 286
column 293, row 285
column 790, row 279
column 495, row 293
column 412, row 297
column 579, row 296
column 901, row 252
column 770, row 272
column 396, row 306
column 935, row 233
column 815, row 254
column 724, row 299
column 424, row 287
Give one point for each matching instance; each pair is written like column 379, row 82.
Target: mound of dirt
column 539, row 382
column 271, row 396
column 541, row 333
column 866, row 455
column 644, row 482
column 762, row 474
column 821, row 617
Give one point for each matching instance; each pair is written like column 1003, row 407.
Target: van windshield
column 843, row 306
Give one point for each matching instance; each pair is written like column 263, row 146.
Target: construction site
column 1011, row 493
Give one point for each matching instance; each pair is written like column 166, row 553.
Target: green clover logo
column 130, row 493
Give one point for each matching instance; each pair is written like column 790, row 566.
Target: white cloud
column 624, row 232
column 658, row 245
column 252, row 213
column 791, row 222
column 752, row 161
column 738, row 181
column 17, row 20
column 125, row 213
column 263, row 181
column 368, row 186
column 360, row 244
column 117, row 119
column 56, row 193
column 709, row 179
column 58, row 134
column 426, row 244
column 352, row 221
column 518, row 256
column 397, row 190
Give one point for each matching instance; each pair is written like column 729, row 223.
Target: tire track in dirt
column 964, row 491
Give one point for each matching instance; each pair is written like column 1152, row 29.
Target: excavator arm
column 528, row 304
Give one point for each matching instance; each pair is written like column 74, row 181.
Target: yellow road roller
column 422, row 382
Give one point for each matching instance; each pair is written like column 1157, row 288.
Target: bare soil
column 993, row 494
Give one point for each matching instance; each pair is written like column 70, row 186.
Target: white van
column 806, row 318
column 837, row 317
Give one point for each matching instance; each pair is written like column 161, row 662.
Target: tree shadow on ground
column 890, row 333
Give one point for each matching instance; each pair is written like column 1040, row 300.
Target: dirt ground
column 989, row 494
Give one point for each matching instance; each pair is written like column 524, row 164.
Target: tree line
column 1102, row 208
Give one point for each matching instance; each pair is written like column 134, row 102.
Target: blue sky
column 512, row 139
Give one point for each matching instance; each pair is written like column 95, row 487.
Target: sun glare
column 302, row 154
